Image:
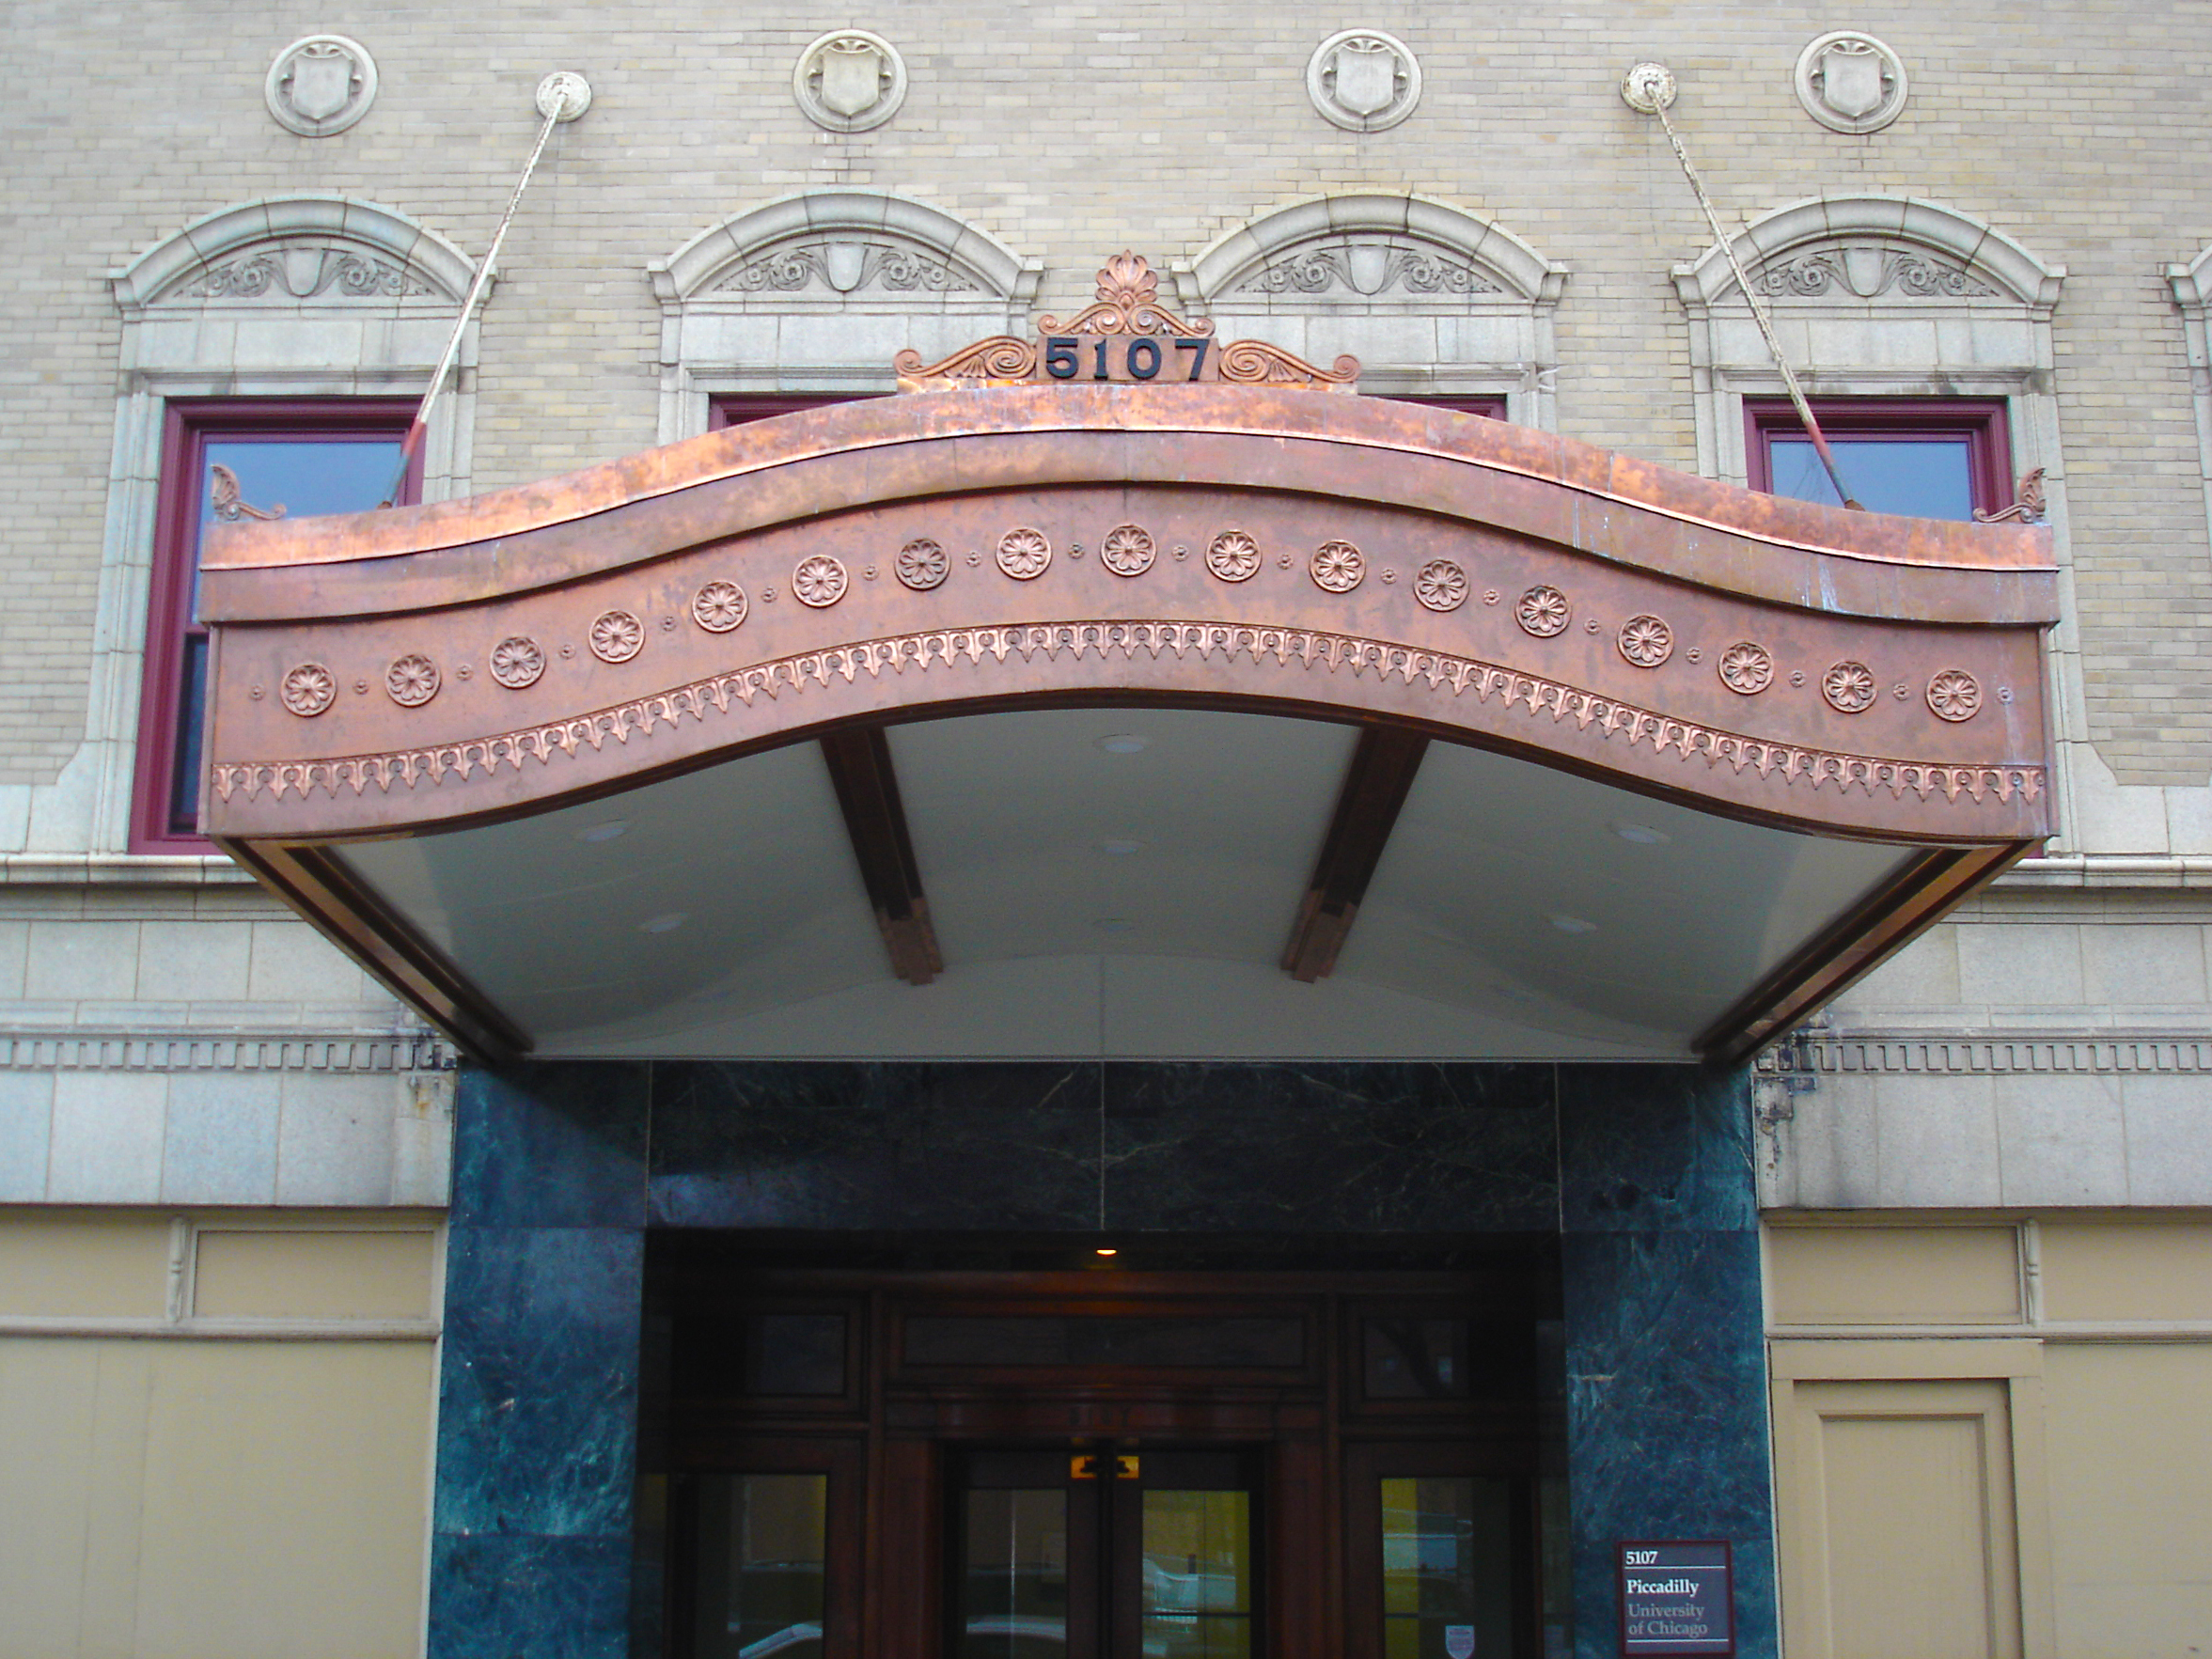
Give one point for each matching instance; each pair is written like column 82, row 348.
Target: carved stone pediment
column 1367, row 270
column 318, row 270
column 846, row 267
column 1868, row 272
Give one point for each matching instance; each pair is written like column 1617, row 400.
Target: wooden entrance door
column 1134, row 1465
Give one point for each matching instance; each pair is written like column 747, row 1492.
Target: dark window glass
column 783, row 1354
column 763, row 1546
column 1416, row 1358
column 794, row 1354
column 1054, row 1341
column 1929, row 458
column 299, row 460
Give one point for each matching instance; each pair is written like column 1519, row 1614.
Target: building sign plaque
column 1676, row 1599
column 1128, row 335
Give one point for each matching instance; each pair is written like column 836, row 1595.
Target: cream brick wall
column 1071, row 129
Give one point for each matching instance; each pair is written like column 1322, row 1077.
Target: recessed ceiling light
column 1120, row 849
column 1103, row 1250
column 1571, row 924
column 1642, row 835
column 1125, row 743
column 666, row 923
column 603, row 832
column 1114, row 924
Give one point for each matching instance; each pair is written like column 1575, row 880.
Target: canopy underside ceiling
column 1444, row 738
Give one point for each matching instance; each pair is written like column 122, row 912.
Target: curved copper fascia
column 1177, row 632
column 912, row 448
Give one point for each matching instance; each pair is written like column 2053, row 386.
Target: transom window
column 1928, row 458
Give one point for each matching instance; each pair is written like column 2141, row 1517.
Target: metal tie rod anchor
column 562, row 96
column 1649, row 89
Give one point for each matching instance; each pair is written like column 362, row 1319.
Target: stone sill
column 131, row 869
column 2077, row 870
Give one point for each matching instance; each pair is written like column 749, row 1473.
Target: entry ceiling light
column 1571, row 924
column 666, row 923
column 1642, row 835
column 603, row 832
column 1123, row 743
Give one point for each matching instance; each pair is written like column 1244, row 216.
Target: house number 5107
column 1125, row 357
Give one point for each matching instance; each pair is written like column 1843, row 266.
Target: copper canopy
column 1411, row 573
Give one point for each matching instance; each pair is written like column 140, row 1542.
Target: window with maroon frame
column 1928, row 458
column 1488, row 406
column 237, row 459
column 736, row 410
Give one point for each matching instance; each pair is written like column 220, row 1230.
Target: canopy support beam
column 860, row 770
column 1376, row 784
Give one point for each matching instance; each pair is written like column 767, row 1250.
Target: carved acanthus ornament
column 1126, row 336
column 845, row 268
column 1370, row 270
column 1865, row 273
column 305, row 272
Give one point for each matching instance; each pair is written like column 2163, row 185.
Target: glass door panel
column 1014, row 1593
column 763, row 1562
column 1195, row 1594
column 1448, row 1567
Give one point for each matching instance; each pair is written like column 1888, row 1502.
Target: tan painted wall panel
column 256, row 1500
column 2137, row 1270
column 2130, row 1441
column 1897, row 1538
column 294, row 1273
column 1893, row 1274
column 90, row 1265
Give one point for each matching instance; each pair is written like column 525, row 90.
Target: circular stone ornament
column 1128, row 549
column 411, row 680
column 1336, row 567
column 719, row 607
column 1234, row 556
column 1954, row 695
column 849, row 81
column 1850, row 82
column 1441, row 585
column 922, row 564
column 1543, row 611
column 1363, row 80
column 517, row 662
column 307, row 690
column 617, row 636
column 321, row 85
column 819, row 580
column 1645, row 641
column 1025, row 552
column 1745, row 667
column 1849, row 688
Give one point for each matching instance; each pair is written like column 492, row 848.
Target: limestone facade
column 172, row 1039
